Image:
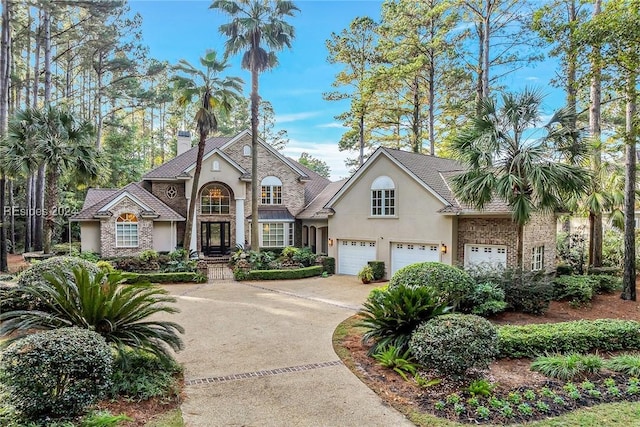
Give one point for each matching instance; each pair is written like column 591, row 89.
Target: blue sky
column 185, row 29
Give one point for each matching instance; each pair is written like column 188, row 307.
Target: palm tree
column 505, row 160
column 212, row 93
column 102, row 303
column 254, row 24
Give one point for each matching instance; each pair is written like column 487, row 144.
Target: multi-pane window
column 273, row 234
column 271, row 188
column 127, row 231
column 214, row 199
column 383, row 197
column 537, row 258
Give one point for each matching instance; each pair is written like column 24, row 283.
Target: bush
column 56, row 373
column 455, row 343
column 485, row 300
column 628, row 364
column 87, row 256
column 450, row 283
column 305, row 257
column 65, row 248
column 581, row 336
column 35, row 275
column 577, row 289
column 567, row 367
column 140, row 376
column 180, row 277
column 149, row 255
column 290, row 274
column 101, row 303
column 378, row 269
column 526, row 291
column 105, row 267
column 607, row 271
column 390, row 316
column 329, row 264
column 607, row 284
column 563, row 269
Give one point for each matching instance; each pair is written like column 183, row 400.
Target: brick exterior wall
column 108, row 231
column 540, row 231
column 487, row 231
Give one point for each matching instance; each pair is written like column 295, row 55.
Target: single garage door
column 485, row 255
column 403, row 254
column 354, row 254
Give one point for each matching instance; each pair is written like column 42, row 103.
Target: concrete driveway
column 260, row 354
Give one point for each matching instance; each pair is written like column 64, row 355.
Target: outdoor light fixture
column 443, row 248
column 330, row 242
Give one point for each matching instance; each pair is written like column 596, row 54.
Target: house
column 151, row 214
column 399, row 208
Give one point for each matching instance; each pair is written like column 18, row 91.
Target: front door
column 215, row 238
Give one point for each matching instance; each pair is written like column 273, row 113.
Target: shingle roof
column 436, row 173
column 316, row 209
column 95, row 195
column 314, row 185
column 178, row 164
column 157, row 207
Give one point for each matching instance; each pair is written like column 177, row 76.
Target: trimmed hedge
column 297, row 273
column 186, row 277
column 329, row 265
column 451, row 283
column 581, row 336
column 378, row 269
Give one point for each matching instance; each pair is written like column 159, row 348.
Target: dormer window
column 271, row 188
column 383, row 197
column 127, row 231
column 246, row 150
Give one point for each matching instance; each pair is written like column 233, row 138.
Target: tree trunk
column 36, row 63
column 520, row 247
column 432, row 99
column 28, row 220
column 480, row 70
column 629, row 273
column 417, row 143
column 595, row 218
column 47, row 57
column 50, row 208
column 3, row 225
column 12, row 218
column 361, row 137
column 255, row 104
column 5, row 67
column 186, row 243
column 39, row 205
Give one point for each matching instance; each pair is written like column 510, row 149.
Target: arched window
column 271, row 191
column 214, row 199
column 383, row 197
column 127, row 231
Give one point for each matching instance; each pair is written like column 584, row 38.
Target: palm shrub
column 455, row 343
column 102, row 303
column 55, row 373
column 391, row 316
column 451, row 284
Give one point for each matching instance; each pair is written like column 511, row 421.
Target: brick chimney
column 184, row 142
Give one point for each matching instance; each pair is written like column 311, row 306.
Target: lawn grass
column 605, row 415
column 171, row 418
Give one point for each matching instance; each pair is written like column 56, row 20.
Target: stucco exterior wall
column 108, row 231
column 416, row 218
column 163, row 236
column 90, row 236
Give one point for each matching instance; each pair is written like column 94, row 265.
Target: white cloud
column 532, row 78
column 325, row 151
column 293, row 117
column 334, row 125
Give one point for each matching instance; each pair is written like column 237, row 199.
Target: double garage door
column 354, row 254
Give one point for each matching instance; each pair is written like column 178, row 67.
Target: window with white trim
column 214, row 200
column 127, row 231
column 383, row 197
column 537, row 258
column 277, row 234
column 271, row 188
column 246, row 150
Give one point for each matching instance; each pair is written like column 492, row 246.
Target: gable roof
column 315, row 209
column 102, row 200
column 432, row 173
column 178, row 166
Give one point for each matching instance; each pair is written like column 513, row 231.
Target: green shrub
column 485, row 300
column 390, row 316
column 577, row 289
column 455, row 343
column 65, row 249
column 366, row 274
column 605, row 271
column 298, row 273
column 525, row 291
column 105, row 267
column 450, row 283
column 329, row 264
column 567, row 367
column 563, row 269
column 397, row 360
column 35, row 275
column 305, row 257
column 581, row 336
column 101, row 303
column 378, row 269
column 138, row 375
column 628, row 364
column 179, row 277
column 87, row 256
column 607, row 284
column 56, row 373
column 148, row 255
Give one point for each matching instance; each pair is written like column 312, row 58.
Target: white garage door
column 354, row 254
column 403, row 254
column 485, row 255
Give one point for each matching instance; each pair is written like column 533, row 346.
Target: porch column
column 240, row 222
